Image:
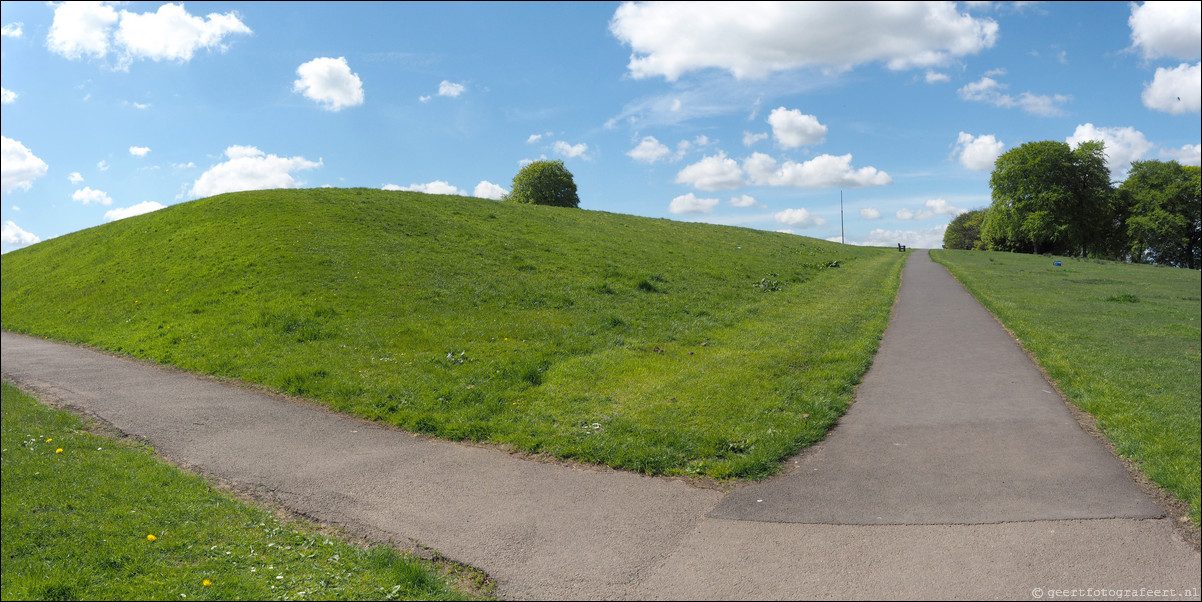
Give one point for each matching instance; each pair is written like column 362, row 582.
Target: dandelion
column 49, row 440
column 206, row 583
column 58, row 451
column 151, row 537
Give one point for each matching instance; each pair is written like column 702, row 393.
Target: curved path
column 958, row 473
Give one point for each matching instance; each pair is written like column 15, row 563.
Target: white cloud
column 15, row 236
column 329, row 81
column 81, row 29
column 248, row 168
column 1190, row 154
column 19, row 167
column 823, row 171
column 978, row 152
column 570, row 151
column 536, row 137
column 1172, row 29
column 1123, row 145
column 715, row 172
column 447, row 88
column 799, row 218
column 102, row 165
column 113, row 215
column 689, row 204
column 7, row 96
column 12, row 30
column 934, row 77
column 139, row 151
column 86, row 29
column 745, row 201
column 75, row 177
column 793, row 129
column 649, row 150
column 989, row 90
column 749, row 139
column 1176, row 91
column 942, row 207
column 870, row 213
column 488, row 190
column 424, row 98
column 752, row 40
column 87, row 196
column 435, row 187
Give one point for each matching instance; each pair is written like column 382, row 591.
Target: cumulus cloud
column 823, row 171
column 934, row 77
column 435, row 187
column 75, row 177
column 1166, row 29
column 488, row 190
column 93, row 29
column 113, row 215
column 88, row 196
column 649, row 150
column 446, row 88
column 745, row 201
column 19, row 167
column 1190, row 154
column 13, row 235
column 752, row 40
column 989, row 90
column 1123, row 145
column 926, row 238
column 689, row 204
column 329, row 81
column 792, row 128
column 716, row 172
column 570, row 151
column 749, row 139
column 248, row 168
column 931, row 209
column 978, row 152
column 1176, row 91
column 12, row 30
column 870, row 213
column 7, row 96
column 139, row 151
column 799, row 218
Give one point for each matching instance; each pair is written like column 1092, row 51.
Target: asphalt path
column 958, row 473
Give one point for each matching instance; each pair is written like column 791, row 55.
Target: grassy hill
column 643, row 344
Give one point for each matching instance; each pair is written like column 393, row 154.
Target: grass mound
column 643, row 344
column 1131, row 360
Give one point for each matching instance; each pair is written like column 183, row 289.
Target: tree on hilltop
column 544, row 183
column 1164, row 199
column 965, row 231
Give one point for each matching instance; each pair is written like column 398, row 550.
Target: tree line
column 1051, row 198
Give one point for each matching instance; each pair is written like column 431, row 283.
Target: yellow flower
column 58, row 451
column 49, row 440
column 206, row 583
column 151, row 537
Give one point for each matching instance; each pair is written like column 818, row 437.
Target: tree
column 544, row 183
column 1049, row 198
column 965, row 231
column 1164, row 200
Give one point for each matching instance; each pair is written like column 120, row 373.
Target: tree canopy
column 1163, row 201
column 965, row 231
column 545, row 183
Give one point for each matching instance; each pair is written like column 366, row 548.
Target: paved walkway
column 957, row 473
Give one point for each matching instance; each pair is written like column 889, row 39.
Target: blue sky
column 750, row 114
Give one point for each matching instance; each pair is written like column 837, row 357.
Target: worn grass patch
column 1121, row 341
column 86, row 517
column 644, row 344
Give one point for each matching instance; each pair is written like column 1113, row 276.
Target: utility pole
column 842, row 240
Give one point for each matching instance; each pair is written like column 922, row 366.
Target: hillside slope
column 644, row 344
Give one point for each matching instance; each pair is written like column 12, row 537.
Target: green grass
column 78, row 509
column 643, row 344
column 1121, row 341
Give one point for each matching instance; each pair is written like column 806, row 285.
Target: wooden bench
column 901, row 247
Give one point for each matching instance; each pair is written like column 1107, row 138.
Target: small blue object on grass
column 1056, row 263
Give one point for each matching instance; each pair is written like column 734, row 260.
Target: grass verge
column 648, row 345
column 87, row 517
column 1120, row 341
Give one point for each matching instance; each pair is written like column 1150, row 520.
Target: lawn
column 644, row 344
column 88, row 517
column 1121, row 342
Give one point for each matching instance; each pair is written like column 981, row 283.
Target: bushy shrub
column 544, row 183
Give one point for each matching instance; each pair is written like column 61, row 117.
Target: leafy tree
column 965, row 231
column 545, row 183
column 1165, row 204
column 1050, row 198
